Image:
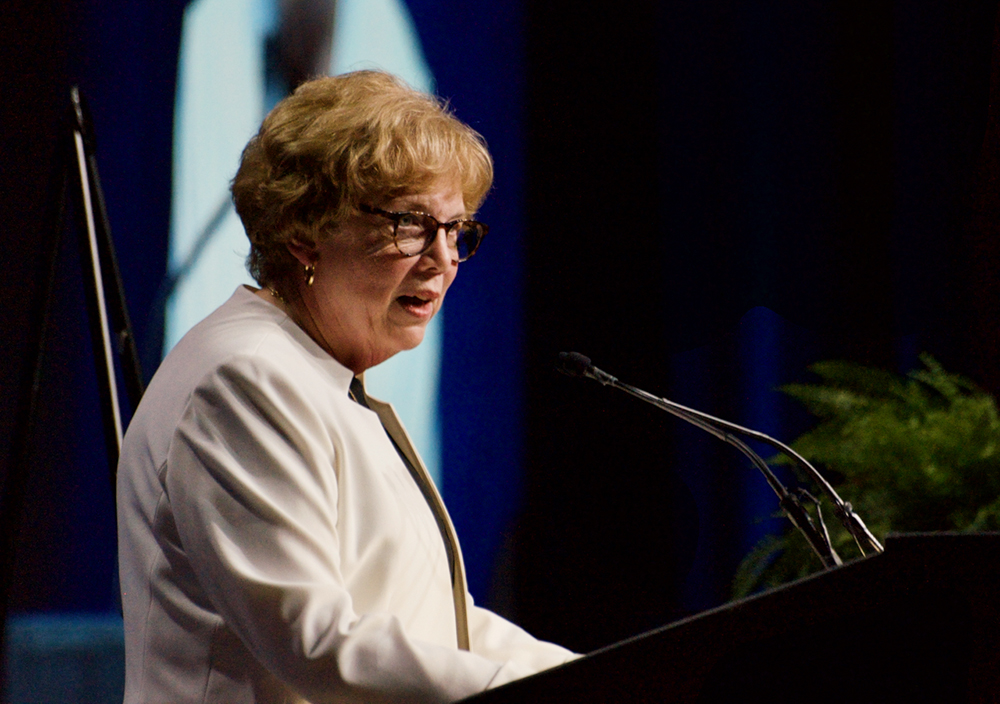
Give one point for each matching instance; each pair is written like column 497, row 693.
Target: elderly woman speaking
column 280, row 539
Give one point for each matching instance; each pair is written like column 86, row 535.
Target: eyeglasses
column 415, row 233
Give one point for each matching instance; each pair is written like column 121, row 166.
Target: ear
column 304, row 252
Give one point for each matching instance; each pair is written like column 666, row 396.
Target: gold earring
column 310, row 272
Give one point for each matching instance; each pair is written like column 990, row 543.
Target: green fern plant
column 914, row 453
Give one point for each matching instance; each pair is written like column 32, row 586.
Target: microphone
column 576, row 364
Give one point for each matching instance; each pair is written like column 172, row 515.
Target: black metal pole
column 109, row 322
column 114, row 291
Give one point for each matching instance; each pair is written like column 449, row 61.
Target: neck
column 299, row 311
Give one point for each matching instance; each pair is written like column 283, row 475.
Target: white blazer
column 273, row 547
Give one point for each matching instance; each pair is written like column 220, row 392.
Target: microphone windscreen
column 573, row 363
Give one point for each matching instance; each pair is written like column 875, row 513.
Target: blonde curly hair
column 341, row 141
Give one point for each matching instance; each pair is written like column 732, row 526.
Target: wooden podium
column 919, row 623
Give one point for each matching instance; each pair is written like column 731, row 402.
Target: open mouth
column 415, row 304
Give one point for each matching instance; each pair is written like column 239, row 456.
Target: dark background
column 703, row 196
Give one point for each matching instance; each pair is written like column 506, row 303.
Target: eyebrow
column 415, row 206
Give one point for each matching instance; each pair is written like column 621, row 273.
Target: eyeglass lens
column 415, row 233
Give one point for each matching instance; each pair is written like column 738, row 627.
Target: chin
column 413, row 340
column 408, row 339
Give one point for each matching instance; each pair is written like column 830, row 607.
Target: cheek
column 381, row 281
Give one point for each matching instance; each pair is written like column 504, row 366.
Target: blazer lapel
column 397, row 432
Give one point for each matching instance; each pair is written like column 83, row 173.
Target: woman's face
column 368, row 301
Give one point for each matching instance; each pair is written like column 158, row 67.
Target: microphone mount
column 576, row 364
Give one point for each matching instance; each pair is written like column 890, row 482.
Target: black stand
column 105, row 296
column 919, row 623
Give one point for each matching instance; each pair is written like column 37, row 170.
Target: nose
column 439, row 251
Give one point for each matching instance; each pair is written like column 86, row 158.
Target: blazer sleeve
column 498, row 639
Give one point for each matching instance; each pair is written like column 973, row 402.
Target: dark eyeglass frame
column 430, row 236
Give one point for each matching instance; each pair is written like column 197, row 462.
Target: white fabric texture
column 274, row 548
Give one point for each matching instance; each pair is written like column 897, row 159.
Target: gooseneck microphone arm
column 576, row 364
